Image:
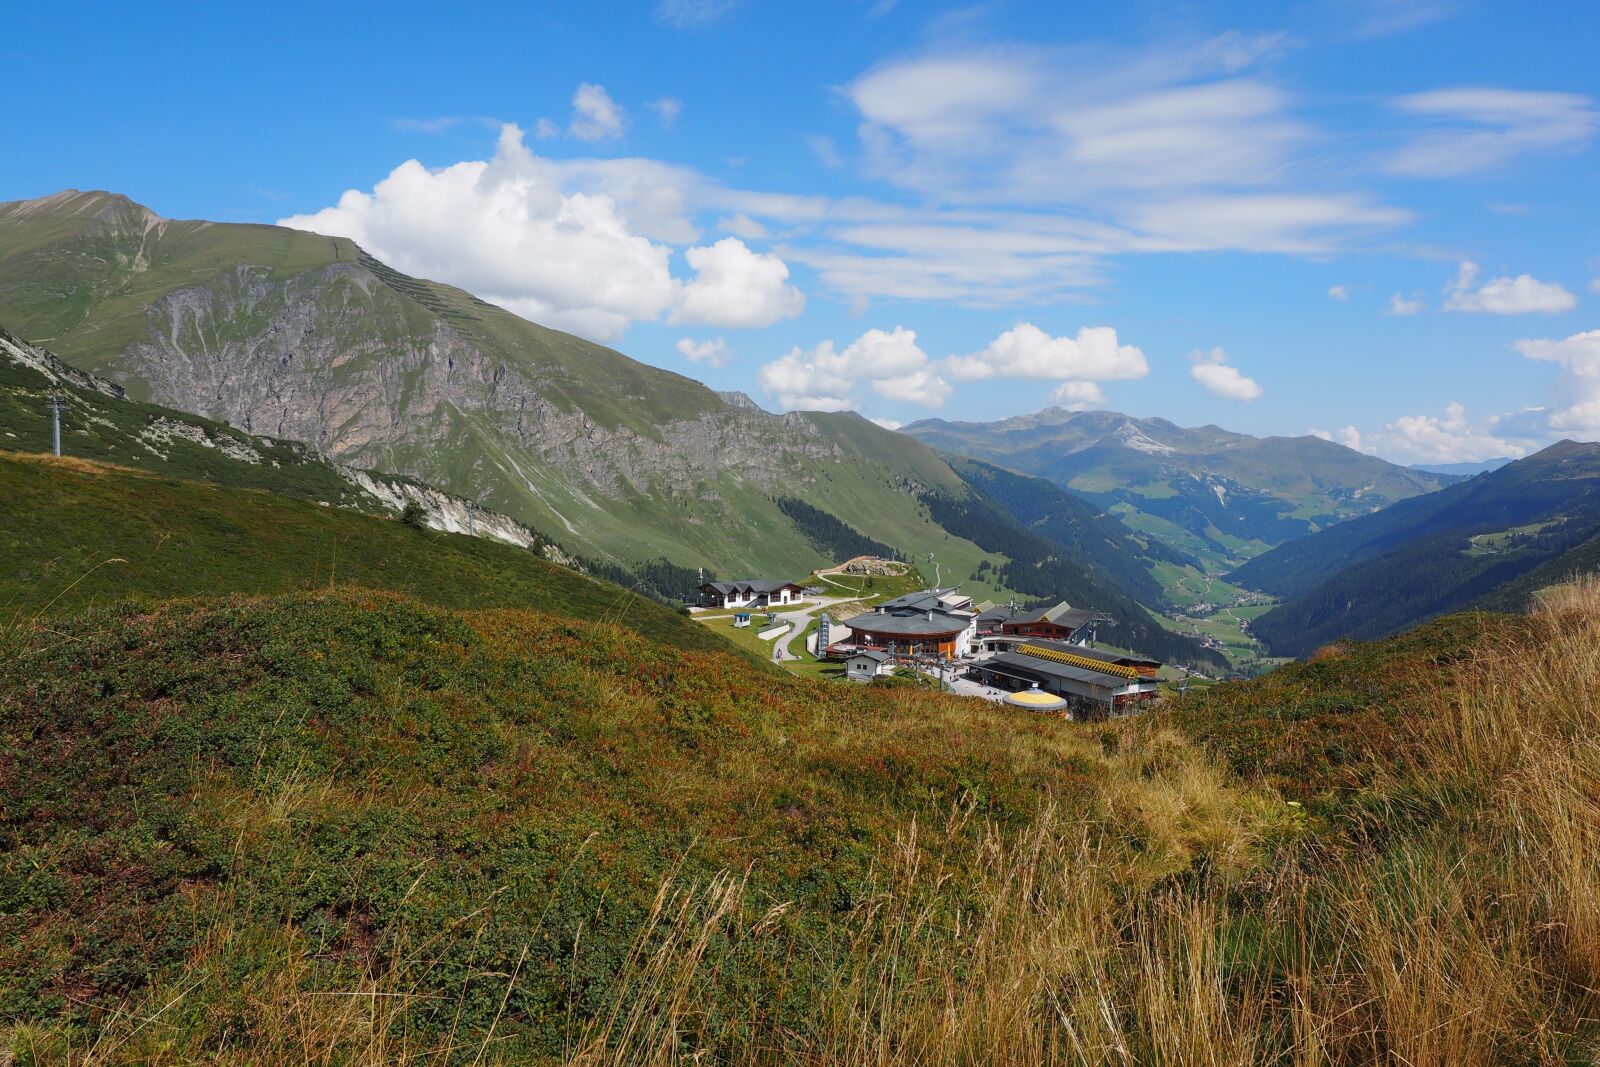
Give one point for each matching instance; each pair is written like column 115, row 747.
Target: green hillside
column 1471, row 543
column 349, row 828
column 74, row 533
column 1104, row 543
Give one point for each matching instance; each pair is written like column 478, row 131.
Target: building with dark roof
column 749, row 593
column 865, row 665
column 1058, row 622
column 932, row 622
column 1095, row 684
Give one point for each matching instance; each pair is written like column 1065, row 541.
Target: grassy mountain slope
column 1102, row 541
column 1569, row 566
column 76, row 533
column 349, row 828
column 1426, row 557
column 1222, row 497
column 302, row 337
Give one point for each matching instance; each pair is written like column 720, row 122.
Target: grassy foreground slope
column 350, row 828
column 75, row 533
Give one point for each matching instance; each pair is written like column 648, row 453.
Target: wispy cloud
column 1475, row 129
column 691, row 14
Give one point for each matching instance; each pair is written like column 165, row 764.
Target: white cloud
column 888, row 424
column 595, row 116
column 667, row 109
column 565, row 244
column 1078, row 396
column 691, row 14
column 1025, row 351
column 1384, row 18
column 1321, row 435
column 826, row 151
column 1578, row 357
column 544, row 129
column 1432, row 439
column 742, row 225
column 921, row 387
column 1338, row 292
column 1211, row 370
column 1479, row 128
column 433, row 125
column 1399, row 305
column 1505, row 296
column 737, row 288
column 1350, row 437
column 1047, row 125
column 889, row 361
column 713, row 353
column 1594, row 287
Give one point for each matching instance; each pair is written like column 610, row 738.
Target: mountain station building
column 933, row 622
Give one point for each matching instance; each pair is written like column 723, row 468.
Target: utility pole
column 56, row 404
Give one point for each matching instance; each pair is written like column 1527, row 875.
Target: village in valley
column 872, row 620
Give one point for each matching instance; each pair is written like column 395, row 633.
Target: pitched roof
column 1038, row 667
column 749, row 585
column 1061, row 614
column 1123, row 658
column 870, row 653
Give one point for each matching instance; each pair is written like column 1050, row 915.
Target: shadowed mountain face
column 1222, row 497
column 307, row 338
column 1493, row 540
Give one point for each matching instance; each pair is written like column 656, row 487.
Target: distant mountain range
column 1490, row 541
column 1463, row 470
column 1221, row 497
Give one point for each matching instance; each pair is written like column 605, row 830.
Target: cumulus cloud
column 595, row 116
column 1505, row 296
column 667, row 109
column 1078, row 396
column 889, row 424
column 889, row 362
column 1321, row 435
column 1399, row 305
column 1578, row 357
column 1211, row 370
column 713, row 353
column 1594, row 287
column 737, row 288
column 1338, row 292
column 1025, row 351
column 1478, row 128
column 1451, row 438
column 567, row 245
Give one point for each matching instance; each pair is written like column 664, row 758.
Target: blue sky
column 1371, row 218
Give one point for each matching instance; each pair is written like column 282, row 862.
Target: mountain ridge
column 1470, row 544
column 1216, row 494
